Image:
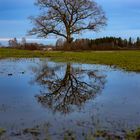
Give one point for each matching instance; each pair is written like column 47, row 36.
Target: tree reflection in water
column 71, row 90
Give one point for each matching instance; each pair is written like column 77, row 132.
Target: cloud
column 15, row 4
column 123, row 19
column 50, row 41
column 28, row 39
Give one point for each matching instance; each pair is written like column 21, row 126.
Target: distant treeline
column 106, row 43
column 23, row 44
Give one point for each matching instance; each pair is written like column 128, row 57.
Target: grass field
column 128, row 60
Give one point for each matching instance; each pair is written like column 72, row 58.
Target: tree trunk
column 69, row 39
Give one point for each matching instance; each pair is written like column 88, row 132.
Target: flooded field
column 41, row 99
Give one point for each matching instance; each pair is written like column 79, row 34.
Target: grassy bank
column 129, row 60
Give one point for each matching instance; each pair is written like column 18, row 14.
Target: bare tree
column 13, row 42
column 23, row 41
column 67, row 17
column 60, row 42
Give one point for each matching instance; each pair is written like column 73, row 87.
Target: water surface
column 64, row 97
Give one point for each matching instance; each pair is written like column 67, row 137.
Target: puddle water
column 56, row 98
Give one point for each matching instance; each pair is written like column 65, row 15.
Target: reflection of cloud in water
column 65, row 89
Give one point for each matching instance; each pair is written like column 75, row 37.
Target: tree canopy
column 67, row 17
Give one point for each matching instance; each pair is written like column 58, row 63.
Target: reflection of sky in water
column 117, row 106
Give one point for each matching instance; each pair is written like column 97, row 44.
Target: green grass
column 105, row 135
column 128, row 60
column 2, row 131
column 133, row 135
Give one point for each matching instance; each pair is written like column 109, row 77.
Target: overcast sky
column 123, row 19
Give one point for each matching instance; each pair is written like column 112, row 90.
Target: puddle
column 37, row 95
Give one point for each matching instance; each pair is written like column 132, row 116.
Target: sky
column 123, row 20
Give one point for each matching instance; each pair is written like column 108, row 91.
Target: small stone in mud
column 16, row 134
column 23, row 72
column 32, row 131
column 10, row 74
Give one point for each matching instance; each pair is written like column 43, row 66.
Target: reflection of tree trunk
column 65, row 80
column 67, row 74
column 70, row 90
